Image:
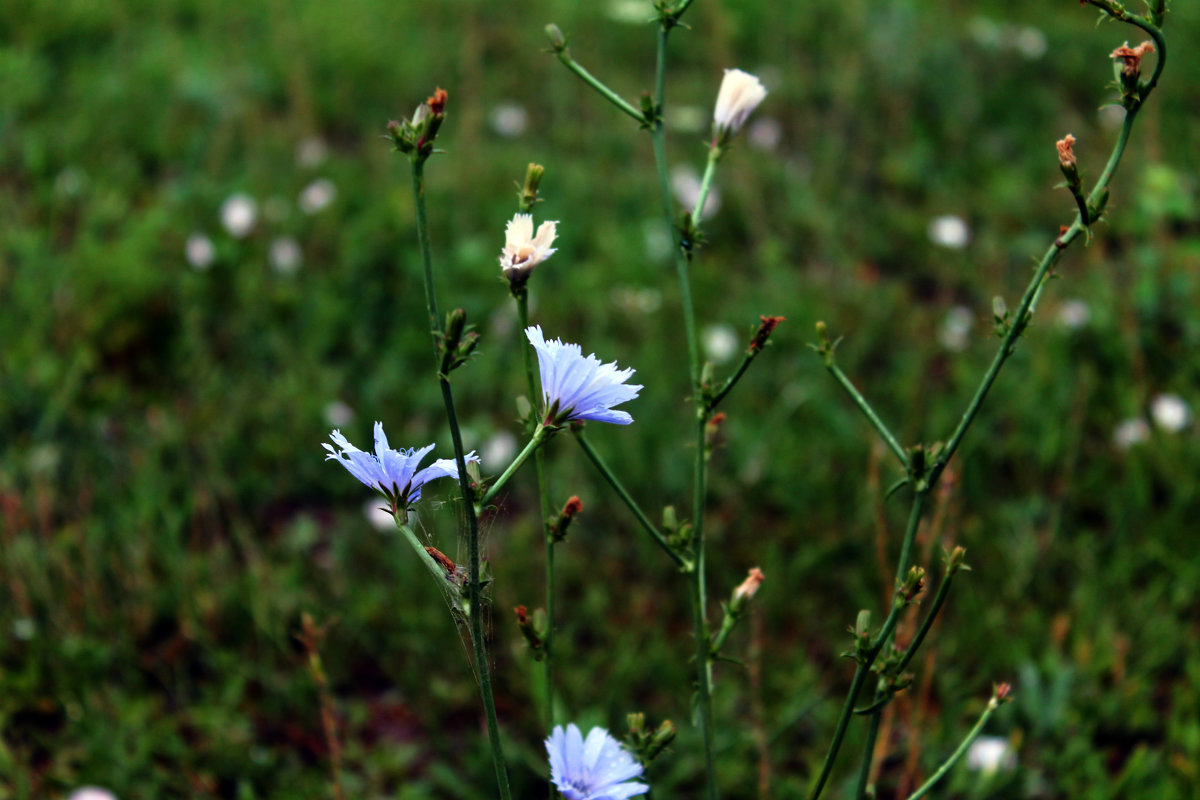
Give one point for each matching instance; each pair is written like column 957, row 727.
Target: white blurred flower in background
column 498, row 450
column 238, row 214
column 508, row 119
column 311, row 152
column 91, row 793
column 720, row 342
column 990, row 754
column 955, row 332
column 285, row 255
column 199, row 251
column 317, row 196
column 1074, row 314
column 1129, row 432
column 338, row 414
column 1170, row 412
column 685, row 183
column 949, row 230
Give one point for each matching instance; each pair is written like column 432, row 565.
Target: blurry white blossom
column 955, row 332
column 1111, row 116
column 686, row 119
column 311, row 152
column 949, row 230
column 70, row 182
column 635, row 300
column 721, row 342
column 658, row 245
column 990, row 754
column 765, row 133
column 1074, row 314
column 685, row 183
column 630, row 12
column 508, row 119
column 1170, row 412
column 498, row 450
column 1030, row 42
column 316, row 196
column 238, row 214
column 199, row 251
column 379, row 517
column 91, row 793
column 1129, row 432
column 338, row 414
column 285, row 255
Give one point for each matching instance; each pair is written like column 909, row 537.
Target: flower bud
column 555, row 35
column 529, row 192
column 746, row 589
column 768, row 326
column 532, row 631
column 558, row 528
column 740, row 94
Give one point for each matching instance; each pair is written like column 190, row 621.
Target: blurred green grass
column 166, row 516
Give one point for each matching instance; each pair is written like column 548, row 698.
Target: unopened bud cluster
column 414, row 137
column 644, row 743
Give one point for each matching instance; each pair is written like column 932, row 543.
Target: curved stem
column 435, row 569
column 927, row 623
column 474, row 586
column 564, row 55
column 623, row 493
column 957, row 754
column 540, row 434
column 710, row 170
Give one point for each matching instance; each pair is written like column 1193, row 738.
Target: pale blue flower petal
column 597, row 768
column 392, row 472
column 580, row 386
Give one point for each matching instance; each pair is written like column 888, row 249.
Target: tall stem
column 522, row 297
column 697, row 576
column 474, row 587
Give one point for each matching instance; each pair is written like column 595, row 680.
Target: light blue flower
column 393, row 472
column 579, row 387
column 597, row 768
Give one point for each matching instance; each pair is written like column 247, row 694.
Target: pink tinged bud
column 749, row 587
column 740, row 94
column 1066, row 151
column 523, row 250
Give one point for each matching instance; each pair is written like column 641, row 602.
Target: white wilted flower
column 949, row 230
column 1170, row 412
column 199, row 251
column 316, row 196
column 238, row 214
column 740, row 94
column 523, row 250
column 990, row 754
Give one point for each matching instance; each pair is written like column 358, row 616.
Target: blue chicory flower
column 597, row 768
column 578, row 387
column 393, row 472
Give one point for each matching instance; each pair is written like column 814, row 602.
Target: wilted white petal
column 523, row 249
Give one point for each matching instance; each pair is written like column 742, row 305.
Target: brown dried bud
column 764, row 332
column 1066, row 152
column 1132, row 57
column 437, row 101
column 443, row 560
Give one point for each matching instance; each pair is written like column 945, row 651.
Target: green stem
column 522, row 298
column 619, row 488
column 697, row 576
column 710, row 170
column 957, row 754
column 726, row 387
column 564, row 55
column 864, row 769
column 927, row 623
column 865, row 408
column 885, row 634
column 540, row 435
column 474, row 587
column 435, row 569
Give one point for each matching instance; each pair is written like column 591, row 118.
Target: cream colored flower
column 522, row 249
column 740, row 94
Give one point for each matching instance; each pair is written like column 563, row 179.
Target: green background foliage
column 166, row 516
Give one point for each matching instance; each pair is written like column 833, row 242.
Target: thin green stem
column 474, row 583
column 865, row 408
column 710, row 170
column 522, row 298
column 431, row 564
column 957, row 754
column 564, row 55
column 540, row 435
column 730, row 382
column 630, row 503
column 885, row 635
column 682, row 257
column 864, row 768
